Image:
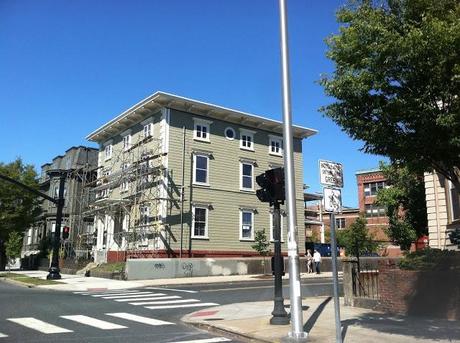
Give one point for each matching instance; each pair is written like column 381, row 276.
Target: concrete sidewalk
column 82, row 283
column 250, row 321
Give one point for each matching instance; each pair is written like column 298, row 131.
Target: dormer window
column 201, row 129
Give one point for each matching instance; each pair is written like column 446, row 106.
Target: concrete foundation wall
column 161, row 268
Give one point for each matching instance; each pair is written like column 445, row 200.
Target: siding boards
column 224, row 193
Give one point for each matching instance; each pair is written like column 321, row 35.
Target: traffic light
column 272, row 186
column 65, row 232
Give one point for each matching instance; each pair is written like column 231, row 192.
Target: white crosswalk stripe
column 142, row 300
column 139, row 319
column 171, row 289
column 166, row 302
column 2, row 335
column 148, row 297
column 97, row 323
column 38, row 325
column 162, row 307
column 206, row 340
column 114, row 291
column 113, row 296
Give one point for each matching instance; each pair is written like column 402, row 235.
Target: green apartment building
column 176, row 177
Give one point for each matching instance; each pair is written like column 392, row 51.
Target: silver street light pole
column 297, row 334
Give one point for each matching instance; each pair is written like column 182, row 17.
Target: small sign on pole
column 332, row 200
column 331, row 173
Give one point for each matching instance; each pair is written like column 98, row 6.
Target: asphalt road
column 141, row 315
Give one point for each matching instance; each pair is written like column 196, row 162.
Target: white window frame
column 241, row 225
column 275, row 139
column 243, row 142
column 148, row 130
column 339, row 220
column 144, row 211
column 198, row 134
column 108, row 151
column 242, row 188
column 195, row 182
column 451, row 188
column 281, row 224
column 206, row 227
column 231, row 129
column 126, row 141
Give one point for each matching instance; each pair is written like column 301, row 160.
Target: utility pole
column 297, row 333
column 279, row 314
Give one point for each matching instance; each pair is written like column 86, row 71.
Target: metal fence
column 365, row 281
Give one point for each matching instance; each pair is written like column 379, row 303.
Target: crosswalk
column 99, row 323
column 152, row 298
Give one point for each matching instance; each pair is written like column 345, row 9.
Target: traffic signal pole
column 279, row 314
column 297, row 333
column 54, row 272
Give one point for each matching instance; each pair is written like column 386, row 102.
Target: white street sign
column 331, row 173
column 332, row 200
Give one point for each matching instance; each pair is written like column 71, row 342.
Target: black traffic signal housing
column 65, row 232
column 272, row 186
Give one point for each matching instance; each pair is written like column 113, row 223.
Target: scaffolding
column 130, row 189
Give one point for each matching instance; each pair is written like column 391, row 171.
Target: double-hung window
column 247, row 225
column 247, row 176
column 201, row 169
column 126, row 142
column 340, row 223
column 144, row 215
column 200, row 222
column 108, row 151
column 247, row 139
column 148, row 130
column 276, row 145
column 201, row 129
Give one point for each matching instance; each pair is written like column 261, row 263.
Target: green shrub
column 431, row 259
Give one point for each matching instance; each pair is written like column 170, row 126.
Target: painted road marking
column 154, row 299
column 162, row 307
column 206, row 340
column 97, row 323
column 121, row 295
column 139, row 319
column 128, row 296
column 167, row 302
column 172, row 289
column 146, row 297
column 107, row 292
column 2, row 335
column 38, row 325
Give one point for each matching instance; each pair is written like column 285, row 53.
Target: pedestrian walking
column 309, row 261
column 317, row 260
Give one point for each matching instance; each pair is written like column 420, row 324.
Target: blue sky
column 67, row 67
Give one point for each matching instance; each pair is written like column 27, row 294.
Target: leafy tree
column 356, row 239
column 405, row 204
column 13, row 246
column 262, row 246
column 18, row 208
column 397, row 81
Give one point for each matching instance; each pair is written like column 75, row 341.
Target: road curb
column 229, row 334
column 17, row 283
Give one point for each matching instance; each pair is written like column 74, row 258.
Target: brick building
column 369, row 183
